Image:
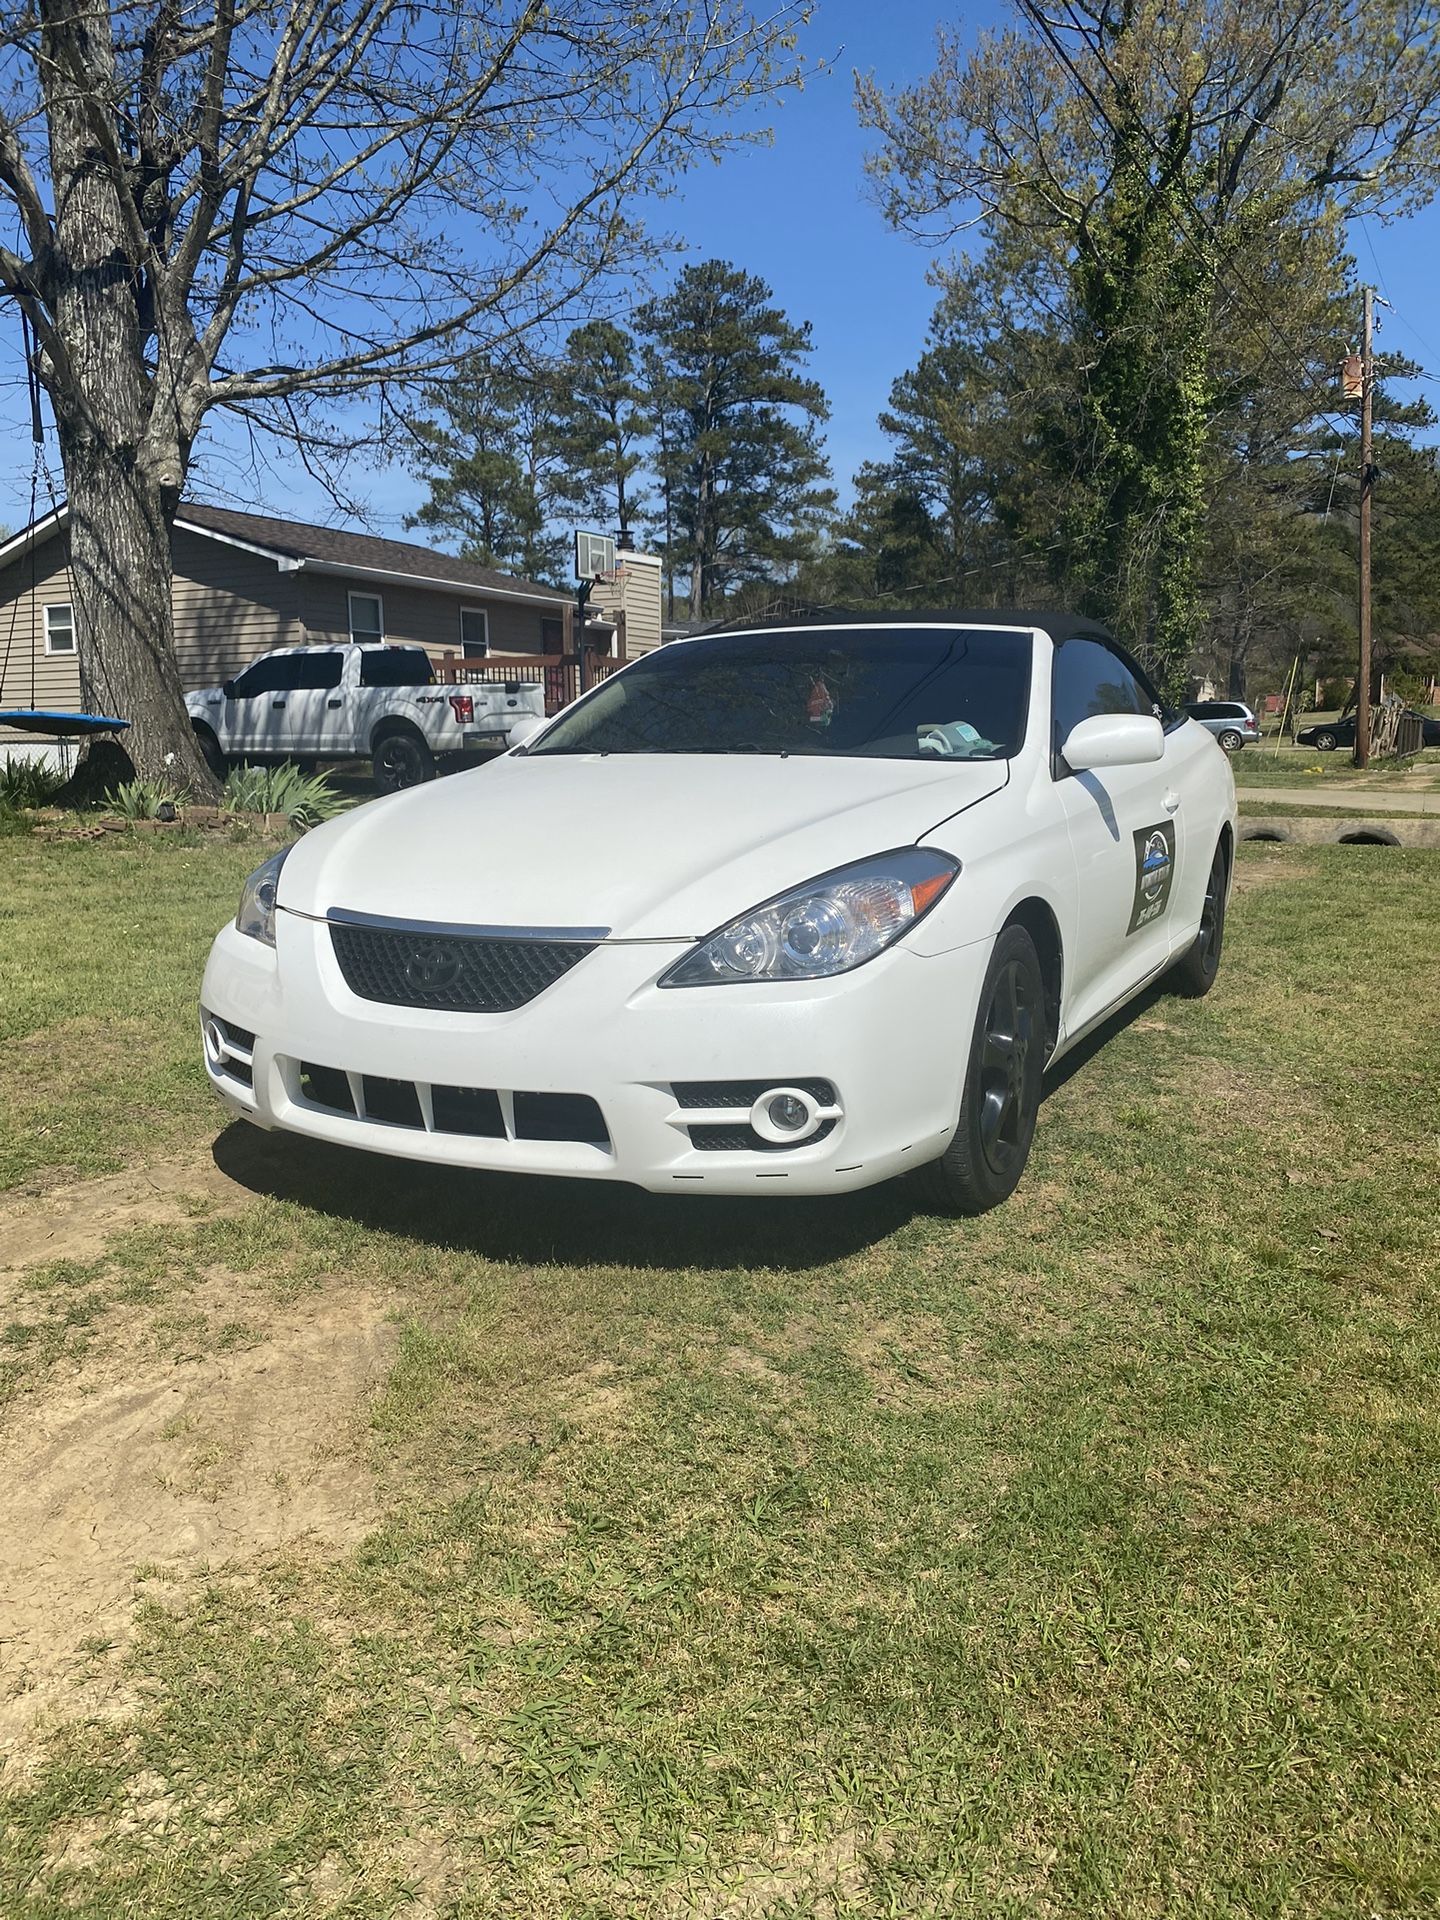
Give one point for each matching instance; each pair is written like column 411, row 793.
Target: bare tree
column 268, row 206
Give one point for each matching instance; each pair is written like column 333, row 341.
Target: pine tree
column 601, row 424
column 745, row 467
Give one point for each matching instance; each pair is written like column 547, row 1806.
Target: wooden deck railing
column 558, row 673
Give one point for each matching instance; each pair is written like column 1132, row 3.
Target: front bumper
column 891, row 1038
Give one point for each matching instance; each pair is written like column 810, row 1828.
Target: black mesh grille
column 744, row 1093
column 450, row 973
column 239, row 1036
column 714, row 1139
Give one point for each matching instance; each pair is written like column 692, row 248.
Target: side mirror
column 228, row 689
column 525, row 729
column 1113, row 740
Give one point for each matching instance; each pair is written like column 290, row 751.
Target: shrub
column 28, row 783
column 143, row 800
column 304, row 799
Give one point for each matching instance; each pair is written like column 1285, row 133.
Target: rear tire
column 1194, row 975
column 1001, row 1100
column 401, row 760
column 209, row 746
column 1231, row 741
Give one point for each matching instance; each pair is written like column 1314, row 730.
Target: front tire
column 987, row 1152
column 1231, row 741
column 1325, row 743
column 210, row 748
column 401, row 760
column 1194, row 975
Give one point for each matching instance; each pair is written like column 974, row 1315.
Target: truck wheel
column 402, row 760
column 210, row 748
column 991, row 1143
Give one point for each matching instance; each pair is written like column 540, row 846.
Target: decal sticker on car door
column 1154, row 871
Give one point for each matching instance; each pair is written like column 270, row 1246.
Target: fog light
column 214, row 1044
column 784, row 1116
column 788, row 1112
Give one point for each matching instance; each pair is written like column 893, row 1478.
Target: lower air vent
column 326, row 1087
column 472, row 1110
column 744, row 1139
column 560, row 1116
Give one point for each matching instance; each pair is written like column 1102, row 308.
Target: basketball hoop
column 594, row 556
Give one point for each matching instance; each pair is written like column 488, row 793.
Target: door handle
column 276, row 705
column 335, row 703
column 1171, row 802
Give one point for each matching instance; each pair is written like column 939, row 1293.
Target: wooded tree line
column 1129, row 400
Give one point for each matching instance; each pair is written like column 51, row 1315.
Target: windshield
column 895, row 693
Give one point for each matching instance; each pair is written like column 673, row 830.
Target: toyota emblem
column 433, row 968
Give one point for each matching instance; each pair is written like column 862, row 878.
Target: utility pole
column 1367, row 478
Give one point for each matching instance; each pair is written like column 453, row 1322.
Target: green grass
column 835, row 1560
column 1294, row 766
column 102, row 945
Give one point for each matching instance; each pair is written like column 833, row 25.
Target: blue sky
column 796, row 213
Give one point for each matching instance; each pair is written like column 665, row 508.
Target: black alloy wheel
column 1194, row 975
column 1001, row 1100
column 402, row 760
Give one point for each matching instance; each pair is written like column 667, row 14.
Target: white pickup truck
column 359, row 702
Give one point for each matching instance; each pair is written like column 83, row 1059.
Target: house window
column 59, row 629
column 367, row 616
column 474, row 632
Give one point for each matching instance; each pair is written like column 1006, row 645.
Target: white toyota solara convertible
column 783, row 910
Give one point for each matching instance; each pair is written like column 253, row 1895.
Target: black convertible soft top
column 1060, row 626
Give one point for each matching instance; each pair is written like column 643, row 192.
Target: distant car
column 1329, row 734
column 773, row 911
column 362, row 701
column 1233, row 723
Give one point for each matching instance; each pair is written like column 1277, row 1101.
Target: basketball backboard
column 594, row 555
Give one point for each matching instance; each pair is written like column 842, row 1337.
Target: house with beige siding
column 246, row 582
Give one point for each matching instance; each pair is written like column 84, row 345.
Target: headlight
column 827, row 926
column 257, row 901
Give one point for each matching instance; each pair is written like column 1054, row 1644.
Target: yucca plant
column 305, row 799
column 143, row 800
column 29, row 783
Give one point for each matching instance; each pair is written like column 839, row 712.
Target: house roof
column 333, row 548
column 295, row 546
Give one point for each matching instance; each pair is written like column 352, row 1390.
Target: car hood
column 648, row 846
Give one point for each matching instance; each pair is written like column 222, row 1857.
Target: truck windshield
column 891, row 693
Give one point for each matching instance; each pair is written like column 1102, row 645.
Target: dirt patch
column 909, row 1363
column 1265, row 864
column 77, row 1222
column 172, row 1468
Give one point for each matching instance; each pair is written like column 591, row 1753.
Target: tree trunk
column 123, row 450
column 125, row 637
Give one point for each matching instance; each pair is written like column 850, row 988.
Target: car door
column 1126, row 831
column 313, row 700
column 255, row 707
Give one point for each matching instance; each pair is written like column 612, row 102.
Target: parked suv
column 358, row 702
column 1231, row 721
